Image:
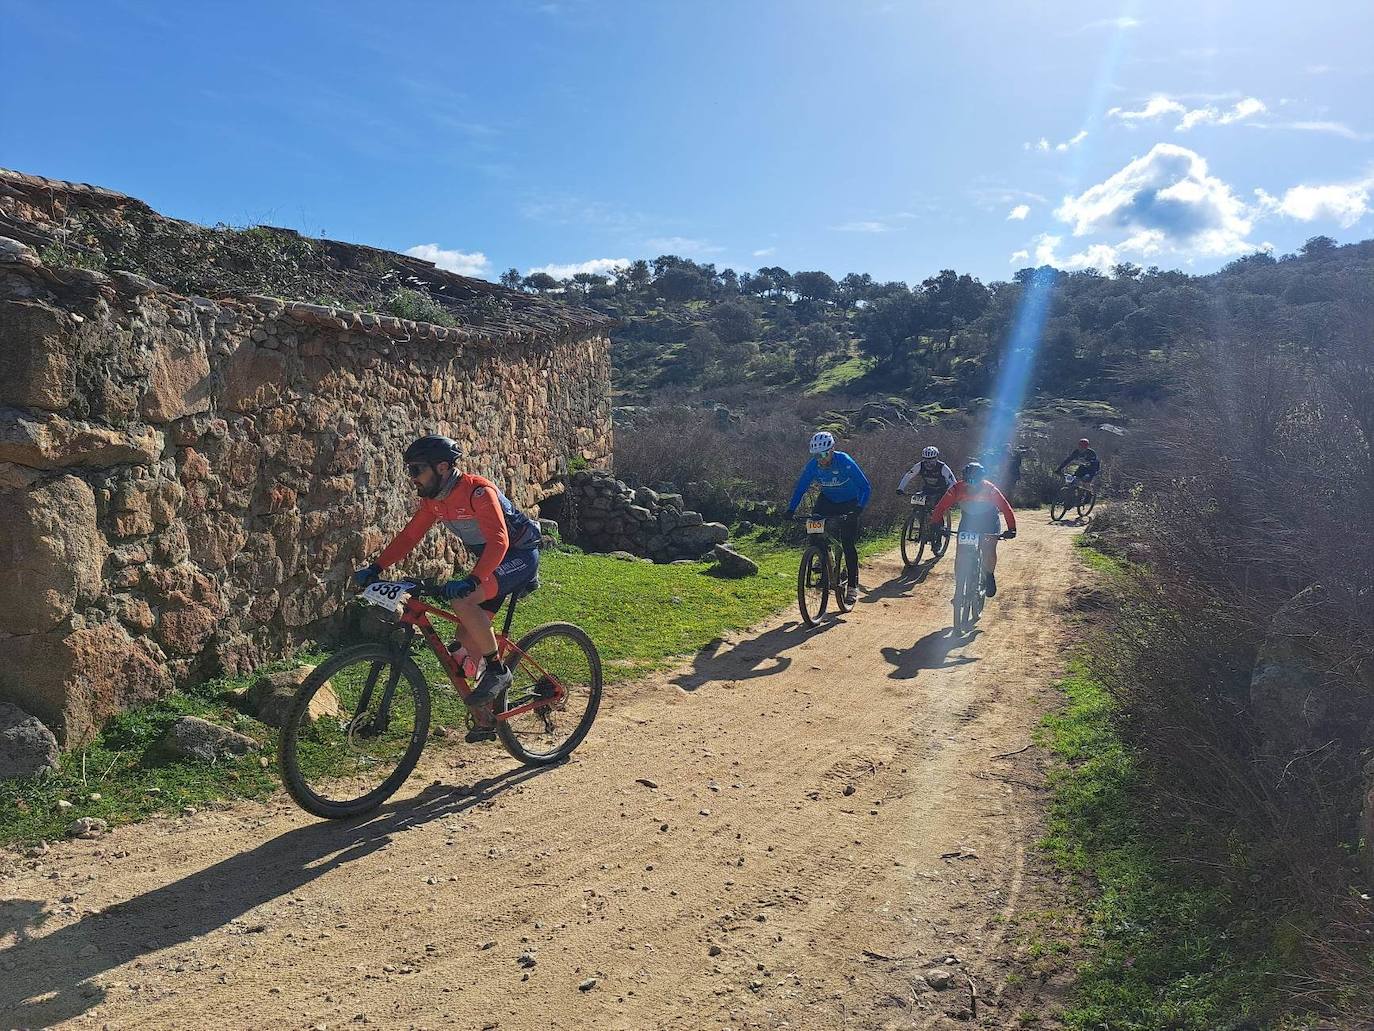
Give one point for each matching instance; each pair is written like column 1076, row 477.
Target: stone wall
column 185, row 483
column 604, row 514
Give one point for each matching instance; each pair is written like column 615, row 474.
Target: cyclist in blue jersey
column 844, row 493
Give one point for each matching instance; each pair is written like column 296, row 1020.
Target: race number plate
column 968, row 537
column 387, row 594
column 918, row 499
column 815, row 526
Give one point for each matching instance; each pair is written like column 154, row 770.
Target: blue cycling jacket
column 842, row 481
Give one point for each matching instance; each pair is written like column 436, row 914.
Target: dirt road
column 789, row 831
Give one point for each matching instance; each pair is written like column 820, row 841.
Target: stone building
column 186, row 480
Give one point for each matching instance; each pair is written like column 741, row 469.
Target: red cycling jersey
column 964, row 495
column 483, row 519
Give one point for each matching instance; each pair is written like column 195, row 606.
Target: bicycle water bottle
column 465, row 661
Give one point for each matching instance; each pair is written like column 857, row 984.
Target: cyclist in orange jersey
column 981, row 502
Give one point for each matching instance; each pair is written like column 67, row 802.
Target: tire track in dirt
column 825, row 906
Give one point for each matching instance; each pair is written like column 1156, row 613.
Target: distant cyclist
column 505, row 540
column 935, row 477
column 844, row 493
column 981, row 502
column 1089, row 465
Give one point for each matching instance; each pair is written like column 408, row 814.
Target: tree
column 1318, row 247
column 701, row 347
column 635, row 277
column 678, row 285
column 854, row 288
column 814, row 286
column 510, row 279
column 779, row 277
column 733, row 322
column 891, row 327
column 818, row 341
column 541, row 282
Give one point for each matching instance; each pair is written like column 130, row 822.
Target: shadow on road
column 899, row 586
column 930, row 652
column 46, row 986
column 745, row 660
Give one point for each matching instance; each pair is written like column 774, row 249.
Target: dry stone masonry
column 185, row 481
column 604, row 514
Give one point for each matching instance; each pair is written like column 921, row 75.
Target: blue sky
column 886, row 137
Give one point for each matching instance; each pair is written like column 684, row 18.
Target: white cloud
column 1342, row 203
column 1019, row 256
column 863, row 227
column 598, row 266
column 1043, row 145
column 1210, row 115
column 1334, row 128
column 764, row 252
column 682, row 245
column 1123, row 22
column 1165, row 201
column 1156, row 107
column 474, row 264
column 1019, row 213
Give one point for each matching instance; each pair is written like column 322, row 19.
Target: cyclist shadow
column 930, row 652
column 899, row 586
column 48, row 987
column 745, row 660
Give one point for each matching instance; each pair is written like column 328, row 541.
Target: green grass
column 840, row 375
column 1164, row 948
column 641, row 616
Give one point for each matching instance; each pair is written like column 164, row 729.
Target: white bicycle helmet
column 822, row 442
column 930, row 452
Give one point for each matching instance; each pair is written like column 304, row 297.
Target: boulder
column 271, row 696
column 52, row 550
column 179, row 383
column 692, row 541
column 730, row 563
column 45, row 441
column 26, row 746
column 37, row 359
column 74, row 681
column 191, row 737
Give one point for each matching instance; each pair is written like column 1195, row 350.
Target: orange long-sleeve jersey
column 483, row 519
column 965, row 495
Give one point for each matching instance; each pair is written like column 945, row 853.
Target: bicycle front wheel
column 939, row 538
column 1060, row 505
column 813, row 585
column 1086, row 501
column 556, row 672
column 354, row 731
column 913, row 538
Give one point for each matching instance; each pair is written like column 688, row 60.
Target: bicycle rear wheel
column 354, row 731
column 558, row 669
column 813, row 585
column 913, row 537
column 840, row 580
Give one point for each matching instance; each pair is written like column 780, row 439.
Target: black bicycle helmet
column 973, row 472
column 433, row 449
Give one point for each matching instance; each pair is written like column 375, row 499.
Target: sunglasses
column 415, row 469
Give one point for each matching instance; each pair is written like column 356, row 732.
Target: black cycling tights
column 848, row 532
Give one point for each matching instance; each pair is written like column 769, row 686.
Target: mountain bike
column 969, row 591
column 1074, row 494
column 822, row 571
column 360, row 720
column 917, row 532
